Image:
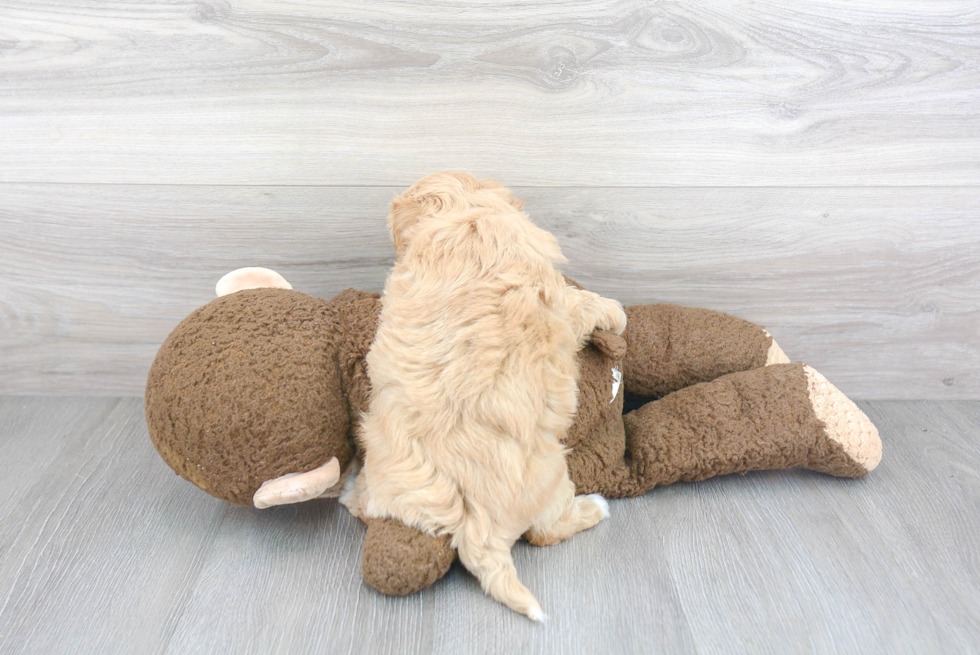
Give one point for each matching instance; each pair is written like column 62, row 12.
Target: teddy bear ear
column 297, row 487
column 253, row 277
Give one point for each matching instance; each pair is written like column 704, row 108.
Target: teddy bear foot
column 850, row 445
column 399, row 560
column 775, row 354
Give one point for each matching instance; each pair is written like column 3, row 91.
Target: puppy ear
column 444, row 192
column 402, row 218
column 433, row 194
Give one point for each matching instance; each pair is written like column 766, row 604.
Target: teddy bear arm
column 671, row 347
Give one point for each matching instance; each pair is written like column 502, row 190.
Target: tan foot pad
column 775, row 355
column 847, row 427
column 297, row 487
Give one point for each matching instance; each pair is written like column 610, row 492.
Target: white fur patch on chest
column 617, row 381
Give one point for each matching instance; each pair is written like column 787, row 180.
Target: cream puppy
column 473, row 380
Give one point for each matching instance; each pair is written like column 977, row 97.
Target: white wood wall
column 814, row 167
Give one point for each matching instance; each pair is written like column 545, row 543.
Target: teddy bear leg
column 567, row 515
column 399, row 560
column 776, row 417
column 671, row 347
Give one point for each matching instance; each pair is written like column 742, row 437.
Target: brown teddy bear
column 256, row 398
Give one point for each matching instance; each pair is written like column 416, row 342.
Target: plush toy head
column 251, row 387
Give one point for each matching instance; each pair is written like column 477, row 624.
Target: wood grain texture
column 621, row 93
column 105, row 550
column 876, row 288
column 97, row 551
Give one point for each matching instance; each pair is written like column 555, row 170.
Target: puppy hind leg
column 492, row 564
column 579, row 513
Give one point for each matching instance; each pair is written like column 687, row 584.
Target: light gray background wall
column 814, row 167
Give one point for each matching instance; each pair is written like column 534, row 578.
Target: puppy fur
column 473, row 380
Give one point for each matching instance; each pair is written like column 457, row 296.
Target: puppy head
column 443, row 193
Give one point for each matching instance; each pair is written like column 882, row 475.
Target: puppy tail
column 493, row 566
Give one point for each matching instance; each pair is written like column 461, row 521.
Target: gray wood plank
column 100, row 541
column 622, row 93
column 829, row 565
column 932, row 508
column 289, row 581
column 875, row 287
column 769, row 563
column 104, row 550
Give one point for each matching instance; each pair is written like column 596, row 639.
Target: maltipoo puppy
column 473, row 380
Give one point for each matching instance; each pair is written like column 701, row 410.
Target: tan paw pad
column 775, row 355
column 846, row 424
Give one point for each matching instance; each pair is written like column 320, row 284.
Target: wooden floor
column 104, row 550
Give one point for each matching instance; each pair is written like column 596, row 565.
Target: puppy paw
column 585, row 512
column 615, row 317
column 591, row 510
column 599, row 503
column 354, row 496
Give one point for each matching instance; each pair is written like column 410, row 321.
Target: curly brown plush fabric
column 597, row 440
column 399, row 560
column 246, row 389
column 357, row 315
column 672, row 347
